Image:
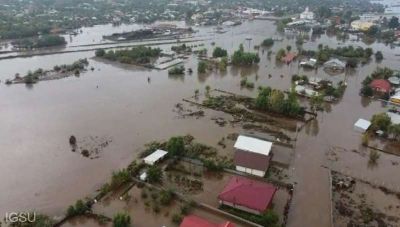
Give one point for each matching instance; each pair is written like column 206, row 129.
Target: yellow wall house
column 395, row 98
column 361, row 25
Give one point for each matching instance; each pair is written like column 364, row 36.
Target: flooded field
column 118, row 102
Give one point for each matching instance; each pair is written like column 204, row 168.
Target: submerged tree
column 121, row 220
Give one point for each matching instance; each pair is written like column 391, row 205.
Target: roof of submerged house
column 196, row 221
column 249, row 193
column 254, row 145
column 381, row 84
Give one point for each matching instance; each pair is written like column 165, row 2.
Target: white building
column 362, row 125
column 307, row 15
column 154, row 157
column 252, row 155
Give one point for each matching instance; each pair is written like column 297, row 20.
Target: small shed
column 362, row 125
column 155, row 157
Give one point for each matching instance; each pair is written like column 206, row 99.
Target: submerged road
column 311, row 204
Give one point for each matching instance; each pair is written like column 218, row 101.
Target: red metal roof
column 381, row 84
column 289, row 57
column 196, row 221
column 249, row 193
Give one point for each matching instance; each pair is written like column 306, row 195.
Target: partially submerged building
column 335, row 65
column 301, row 90
column 289, row 57
column 311, row 63
column 381, row 86
column 362, row 125
column 196, row 221
column 247, row 195
column 252, row 155
column 155, row 157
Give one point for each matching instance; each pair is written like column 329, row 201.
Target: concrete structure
column 247, row 195
column 362, row 125
column 307, row 15
column 252, row 155
column 196, row 221
column 360, row 25
column 155, row 157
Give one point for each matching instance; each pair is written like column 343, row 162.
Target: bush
column 154, row 174
column 268, row 42
column 378, row 56
column 176, row 146
column 119, row 178
column 177, row 70
column 166, row 197
column 177, row 218
column 219, row 52
column 121, row 220
column 79, row 208
column 202, row 67
column 100, row 53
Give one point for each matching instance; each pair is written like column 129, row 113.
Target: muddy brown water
column 39, row 171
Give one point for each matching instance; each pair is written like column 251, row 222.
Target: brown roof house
column 252, row 155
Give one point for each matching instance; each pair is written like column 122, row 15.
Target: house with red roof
column 289, row 57
column 196, row 221
column 248, row 195
column 381, row 86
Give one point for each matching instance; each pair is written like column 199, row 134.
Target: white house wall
column 250, row 171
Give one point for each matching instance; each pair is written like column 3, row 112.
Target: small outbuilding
column 362, row 125
column 155, row 157
column 252, row 155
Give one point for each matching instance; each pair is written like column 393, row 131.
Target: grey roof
column 335, row 63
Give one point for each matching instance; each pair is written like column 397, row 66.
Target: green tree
column 176, row 146
column 394, row 130
column 276, row 100
column 219, row 52
column 381, row 121
column 100, row 53
column 202, row 67
column 394, row 22
column 268, row 42
column 121, row 220
column 316, row 102
column 223, row 64
column 378, row 56
column 154, row 174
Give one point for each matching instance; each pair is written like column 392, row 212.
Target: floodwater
column 40, row 172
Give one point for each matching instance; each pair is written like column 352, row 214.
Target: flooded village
column 239, row 117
